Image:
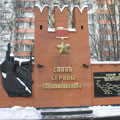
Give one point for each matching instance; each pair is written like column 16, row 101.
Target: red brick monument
column 63, row 80
column 62, row 74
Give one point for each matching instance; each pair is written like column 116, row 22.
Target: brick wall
column 47, row 54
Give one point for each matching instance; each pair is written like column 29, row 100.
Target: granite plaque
column 106, row 84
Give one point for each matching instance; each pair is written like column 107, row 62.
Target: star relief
column 63, row 48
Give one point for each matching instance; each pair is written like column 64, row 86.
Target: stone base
column 82, row 113
column 66, row 113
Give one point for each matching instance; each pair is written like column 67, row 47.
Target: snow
column 41, row 5
column 51, row 29
column 82, row 8
column 4, row 74
column 71, row 29
column 102, row 111
column 105, row 62
column 61, row 9
column 60, row 28
column 21, row 60
column 19, row 112
column 11, row 55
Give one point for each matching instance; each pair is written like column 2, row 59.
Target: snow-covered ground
column 18, row 112
column 105, row 111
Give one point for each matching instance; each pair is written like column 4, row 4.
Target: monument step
column 107, row 118
column 67, row 112
column 80, row 118
column 83, row 113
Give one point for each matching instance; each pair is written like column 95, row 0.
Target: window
column 112, row 6
column 26, row 25
column 25, row 47
column 31, row 4
column 102, row 16
column 28, row 14
column 107, row 27
column 100, row 5
column 25, row 14
column 108, row 37
column 114, row 26
column 25, row 3
column 32, row 25
column 110, row 16
column 103, row 37
column 115, row 37
column 21, row 47
column 103, row 26
column 28, row 47
column 91, row 27
column 20, row 3
column 25, row 36
column 90, row 16
column 90, row 6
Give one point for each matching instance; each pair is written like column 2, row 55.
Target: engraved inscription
column 62, row 69
column 106, row 84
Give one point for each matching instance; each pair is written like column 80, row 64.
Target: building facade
column 17, row 27
column 62, row 73
column 6, row 27
column 105, row 38
column 103, row 23
column 24, row 28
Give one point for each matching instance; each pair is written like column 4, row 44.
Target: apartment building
column 17, row 27
column 24, row 28
column 106, row 40
column 6, row 27
column 92, row 27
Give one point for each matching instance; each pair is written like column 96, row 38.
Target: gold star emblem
column 63, row 48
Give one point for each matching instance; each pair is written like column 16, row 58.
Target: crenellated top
column 61, row 5
column 81, row 4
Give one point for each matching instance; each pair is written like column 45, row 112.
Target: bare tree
column 13, row 11
column 107, row 39
column 21, row 12
column 6, row 27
